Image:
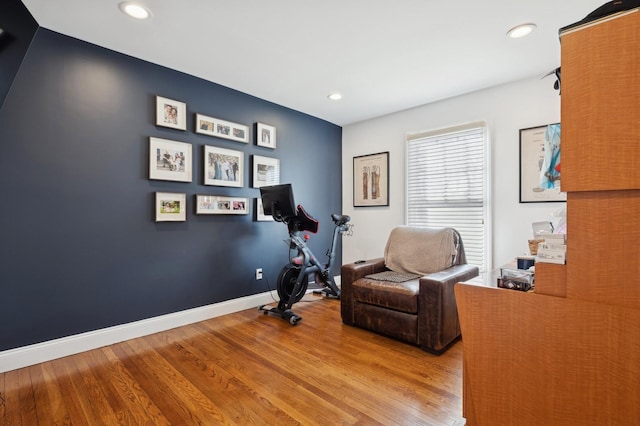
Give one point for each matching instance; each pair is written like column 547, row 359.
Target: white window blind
column 446, row 184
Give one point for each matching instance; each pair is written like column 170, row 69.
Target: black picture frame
column 371, row 180
column 540, row 159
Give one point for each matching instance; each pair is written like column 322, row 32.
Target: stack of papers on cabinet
column 553, row 249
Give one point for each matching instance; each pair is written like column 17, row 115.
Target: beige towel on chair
column 419, row 250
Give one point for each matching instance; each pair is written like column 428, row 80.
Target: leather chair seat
column 401, row 297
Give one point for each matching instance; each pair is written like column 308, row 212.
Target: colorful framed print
column 540, row 165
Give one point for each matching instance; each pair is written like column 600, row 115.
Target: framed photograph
column 540, row 165
column 214, row 204
column 260, row 216
column 265, row 135
column 170, row 160
column 371, row 180
column 266, row 171
column 170, row 113
column 171, row 207
column 221, row 129
column 223, row 167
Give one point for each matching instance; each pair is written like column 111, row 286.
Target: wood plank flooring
column 243, row 368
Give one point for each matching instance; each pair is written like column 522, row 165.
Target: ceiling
column 382, row 55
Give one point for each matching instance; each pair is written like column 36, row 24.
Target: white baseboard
column 13, row 359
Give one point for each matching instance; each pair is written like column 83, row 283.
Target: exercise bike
column 293, row 280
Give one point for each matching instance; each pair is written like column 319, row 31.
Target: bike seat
column 340, row 219
column 306, row 222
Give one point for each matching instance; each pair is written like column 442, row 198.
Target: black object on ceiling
column 606, row 9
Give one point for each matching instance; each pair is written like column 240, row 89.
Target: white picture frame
column 266, row 171
column 266, row 135
column 218, row 128
column 171, row 207
column 170, row 160
column 260, row 216
column 216, row 204
column 171, row 113
column 223, row 167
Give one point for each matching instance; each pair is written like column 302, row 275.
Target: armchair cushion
column 420, row 251
column 401, row 297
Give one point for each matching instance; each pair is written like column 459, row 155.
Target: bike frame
column 309, row 264
column 306, row 263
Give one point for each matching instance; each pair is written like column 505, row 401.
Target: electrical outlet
column 259, row 274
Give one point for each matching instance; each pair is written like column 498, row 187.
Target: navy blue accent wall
column 80, row 248
column 19, row 28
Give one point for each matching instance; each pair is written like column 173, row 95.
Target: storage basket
column 533, row 246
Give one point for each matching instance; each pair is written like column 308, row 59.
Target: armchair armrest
column 452, row 275
column 351, row 272
column 439, row 326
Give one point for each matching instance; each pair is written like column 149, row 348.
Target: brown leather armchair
column 408, row 293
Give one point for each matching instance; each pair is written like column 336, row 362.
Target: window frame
column 486, row 198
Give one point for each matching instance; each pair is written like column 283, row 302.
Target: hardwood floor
column 243, row 368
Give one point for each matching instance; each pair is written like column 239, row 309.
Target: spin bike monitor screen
column 277, row 200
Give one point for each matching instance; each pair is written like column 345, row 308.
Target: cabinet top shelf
column 586, row 23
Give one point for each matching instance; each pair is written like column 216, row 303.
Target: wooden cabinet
column 532, row 360
column 603, row 247
column 551, row 279
column 569, row 354
column 600, row 105
column 601, row 159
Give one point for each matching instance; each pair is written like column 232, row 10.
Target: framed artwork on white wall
column 371, row 180
column 540, row 157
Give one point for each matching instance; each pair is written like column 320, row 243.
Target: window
column 446, row 184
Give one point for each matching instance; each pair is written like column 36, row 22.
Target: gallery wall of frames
column 172, row 160
column 93, row 140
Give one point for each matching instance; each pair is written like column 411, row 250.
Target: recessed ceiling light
column 335, row 96
column 135, row 10
column 521, row 30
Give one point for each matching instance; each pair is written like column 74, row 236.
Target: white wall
column 506, row 109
